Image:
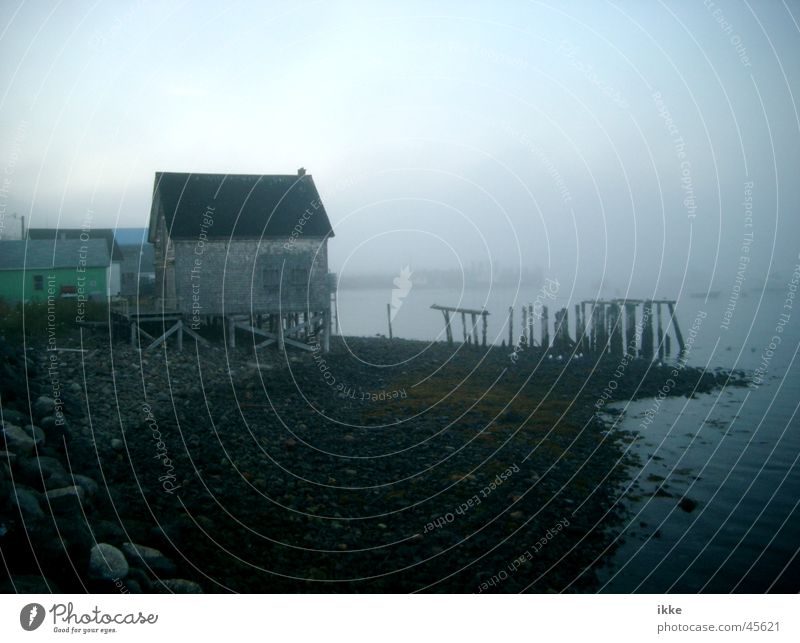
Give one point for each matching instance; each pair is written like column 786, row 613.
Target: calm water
column 734, row 453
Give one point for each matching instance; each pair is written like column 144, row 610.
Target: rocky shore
column 382, row 466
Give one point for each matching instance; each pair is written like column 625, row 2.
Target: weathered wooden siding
column 243, row 276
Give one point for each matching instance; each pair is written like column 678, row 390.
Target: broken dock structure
column 636, row 327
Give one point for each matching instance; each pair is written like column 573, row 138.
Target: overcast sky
column 603, row 142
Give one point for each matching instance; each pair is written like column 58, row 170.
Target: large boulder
column 106, row 562
column 36, row 434
column 56, row 431
column 39, row 472
column 26, row 501
column 17, row 441
column 44, row 406
column 66, row 500
column 87, row 484
column 149, row 558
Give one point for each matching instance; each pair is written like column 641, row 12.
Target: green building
column 35, row 270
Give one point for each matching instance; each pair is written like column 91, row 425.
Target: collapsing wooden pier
column 635, row 327
column 471, row 337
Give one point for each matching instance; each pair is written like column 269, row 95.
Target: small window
column 38, row 282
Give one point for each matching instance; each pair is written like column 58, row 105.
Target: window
column 38, row 282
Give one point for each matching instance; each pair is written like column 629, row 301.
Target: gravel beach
column 383, row 466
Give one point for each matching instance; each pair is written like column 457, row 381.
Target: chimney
column 301, row 171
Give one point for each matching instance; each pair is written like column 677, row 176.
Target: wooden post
column 630, row 329
column 133, row 334
column 647, row 331
column 389, row 318
column 447, row 328
column 674, row 320
column 524, row 324
column 464, row 325
column 180, row 335
column 616, row 330
column 667, row 345
column 474, row 329
column 561, row 339
column 231, row 332
column 578, row 328
column 601, row 325
column 660, row 332
column 511, row 327
column 326, row 331
column 593, row 343
column 545, row 329
column 483, row 316
column 530, row 324
column 281, row 343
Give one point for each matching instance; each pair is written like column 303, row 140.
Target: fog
column 610, row 145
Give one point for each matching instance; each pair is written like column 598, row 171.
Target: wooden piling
column 511, row 327
column 484, row 329
column 660, row 332
column 602, row 329
column 545, row 329
column 447, row 328
column 615, row 324
column 630, row 329
column 561, row 338
column 281, row 342
column 678, row 335
column 530, row 324
column 464, row 326
column 524, row 337
column 475, row 329
column 389, row 318
column 647, row 330
column 326, row 330
column 231, row 332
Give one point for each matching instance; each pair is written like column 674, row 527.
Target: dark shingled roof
column 245, row 205
column 106, row 234
column 30, row 254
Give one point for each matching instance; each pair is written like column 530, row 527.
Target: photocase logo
column 31, row 616
column 402, row 286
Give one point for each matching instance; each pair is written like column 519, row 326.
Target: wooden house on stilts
column 247, row 252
